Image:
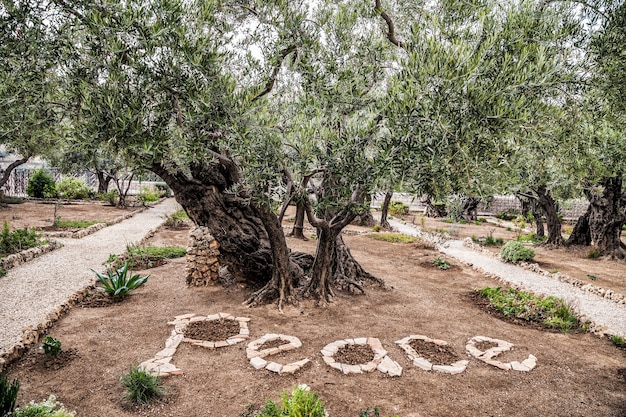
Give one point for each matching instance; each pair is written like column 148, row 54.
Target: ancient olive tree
column 29, row 107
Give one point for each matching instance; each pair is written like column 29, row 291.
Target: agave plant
column 116, row 282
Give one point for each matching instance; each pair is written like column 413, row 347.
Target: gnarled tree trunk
column 298, row 225
column 244, row 244
column 601, row 226
column 606, row 217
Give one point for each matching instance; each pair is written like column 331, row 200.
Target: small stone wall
column 11, row 261
column 202, row 265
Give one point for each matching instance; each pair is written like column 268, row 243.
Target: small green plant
column 423, row 222
column 593, row 254
column 618, row 341
column 177, row 219
column 148, row 195
column 51, row 346
column 48, row 408
column 116, row 282
column 398, row 208
column 142, row 257
column 550, row 311
column 110, row 197
column 141, row 386
column 480, row 221
column 366, row 413
column 441, row 263
column 514, row 251
column 376, row 228
column 18, row 240
column 507, row 215
column 395, row 238
column 301, row 402
column 73, row 189
column 592, row 277
column 532, row 238
column 8, row 395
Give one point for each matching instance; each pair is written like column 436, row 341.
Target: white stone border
column 503, row 346
column 161, row 364
column 423, row 363
column 381, row 361
column 257, row 356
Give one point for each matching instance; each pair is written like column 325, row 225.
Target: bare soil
column 577, row 374
column 435, row 354
column 40, row 215
column 354, row 354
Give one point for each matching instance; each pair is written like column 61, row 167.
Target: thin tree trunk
column 384, row 213
column 103, row 181
column 535, row 209
column 548, row 204
column 298, row 225
column 321, row 273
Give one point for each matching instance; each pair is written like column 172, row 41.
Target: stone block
column 369, row 367
column 516, row 366
column 274, row 367
column 360, row 340
column 258, row 363
column 448, row 369
column 423, row 364
column 389, row 367
column 351, row 369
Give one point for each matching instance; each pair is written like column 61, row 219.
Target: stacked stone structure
column 202, row 265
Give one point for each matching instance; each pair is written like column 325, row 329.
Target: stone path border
column 161, row 364
column 487, row 356
column 603, row 315
column 79, row 234
column 257, row 356
column 13, row 260
column 32, row 295
column 534, row 267
column 381, row 361
column 423, row 363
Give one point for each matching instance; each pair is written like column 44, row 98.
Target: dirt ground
column 576, row 375
column 40, row 214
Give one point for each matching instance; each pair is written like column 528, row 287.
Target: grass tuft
column 395, row 238
column 551, row 311
column 141, row 386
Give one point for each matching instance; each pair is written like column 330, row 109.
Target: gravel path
column 609, row 316
column 29, row 292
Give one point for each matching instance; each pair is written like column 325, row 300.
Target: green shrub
column 441, row 263
column 41, row 185
column 141, row 386
column 177, row 219
column 376, row 228
column 18, row 240
column 73, row 189
column 8, row 395
column 550, row 311
column 116, row 282
column 47, row 408
column 300, row 403
column 513, row 251
column 397, row 208
column 110, row 197
column 148, row 195
column 51, row 346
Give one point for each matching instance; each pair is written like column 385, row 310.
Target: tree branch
column 391, row 32
column 270, row 83
column 7, row 172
